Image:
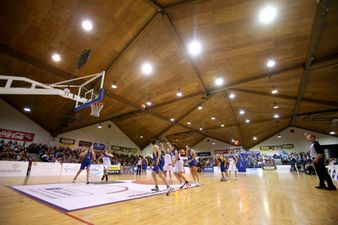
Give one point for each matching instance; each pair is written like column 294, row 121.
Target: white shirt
column 106, row 160
column 313, row 152
column 168, row 159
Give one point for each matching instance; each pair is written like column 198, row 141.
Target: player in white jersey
column 233, row 167
column 168, row 164
column 106, row 163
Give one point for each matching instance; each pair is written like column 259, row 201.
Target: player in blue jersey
column 192, row 163
column 158, row 166
column 223, row 166
column 88, row 155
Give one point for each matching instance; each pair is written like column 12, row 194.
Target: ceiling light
column 114, row 85
column 148, row 103
column 332, row 132
column 254, row 138
column 56, row 57
column 270, row 63
column 267, row 14
column 201, row 128
column 213, row 118
column 213, row 143
column 279, row 136
column 247, row 121
column 200, row 107
column 188, row 122
column 232, row 140
column 99, row 126
column 141, row 136
column 194, row 48
column 242, row 112
column 87, row 25
column 27, row 109
column 276, row 116
column 219, row 81
column 232, row 96
column 222, row 125
column 275, row 106
column 179, row 93
column 274, row 90
column 147, row 68
column 172, row 119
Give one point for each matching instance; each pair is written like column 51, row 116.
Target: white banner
column 45, row 169
column 70, row 169
column 333, row 171
column 13, row 168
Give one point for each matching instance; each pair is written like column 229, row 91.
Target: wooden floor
column 267, row 199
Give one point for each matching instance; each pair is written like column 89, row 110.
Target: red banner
column 16, row 135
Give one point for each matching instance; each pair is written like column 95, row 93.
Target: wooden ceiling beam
column 132, row 41
column 181, row 4
column 318, row 112
column 321, row 13
column 185, row 53
column 154, row 4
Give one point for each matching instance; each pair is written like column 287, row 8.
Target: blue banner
column 98, row 146
column 208, row 169
column 241, row 165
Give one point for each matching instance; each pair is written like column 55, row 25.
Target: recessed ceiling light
column 172, row 119
column 232, row 140
column 274, row 90
column 179, row 93
column 194, row 48
column 219, row 81
column 242, row 112
column 56, row 57
column 201, row 128
column 99, row 126
column 267, row 14
column 114, row 85
column 213, row 118
column 247, row 121
column 232, row 95
column 200, row 107
column 254, row 138
column 141, row 136
column 270, row 63
column 147, row 68
column 188, row 122
column 27, row 109
column 279, row 136
column 276, row 116
column 332, row 132
column 275, row 106
column 149, row 103
column 222, row 125
column 87, row 25
column 213, row 143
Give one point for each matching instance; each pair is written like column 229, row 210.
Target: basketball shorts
column 232, row 168
column 167, row 167
column 192, row 163
column 85, row 165
column 144, row 167
column 158, row 168
column 223, row 169
column 179, row 168
column 106, row 166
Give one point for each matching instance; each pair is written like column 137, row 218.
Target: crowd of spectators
column 15, row 151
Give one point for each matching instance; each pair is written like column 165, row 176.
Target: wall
column 296, row 138
column 12, row 119
column 208, row 146
column 104, row 135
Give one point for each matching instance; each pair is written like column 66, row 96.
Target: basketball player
column 178, row 165
column 139, row 166
column 168, row 164
column 106, row 163
column 233, row 167
column 87, row 156
column 144, row 166
column 158, row 166
column 192, row 163
column 223, row 166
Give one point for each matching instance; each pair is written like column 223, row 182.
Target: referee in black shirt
column 317, row 155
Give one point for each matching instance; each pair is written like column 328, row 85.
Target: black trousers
column 138, row 171
column 323, row 175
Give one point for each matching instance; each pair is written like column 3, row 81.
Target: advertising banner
column 124, row 150
column 99, row 146
column 13, row 168
column 114, row 169
column 16, row 135
column 229, row 151
column 67, row 142
column 208, row 169
column 203, row 153
column 85, row 144
column 277, row 147
column 45, row 169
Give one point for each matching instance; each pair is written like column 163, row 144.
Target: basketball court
column 92, row 91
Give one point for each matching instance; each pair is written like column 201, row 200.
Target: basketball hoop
column 96, row 109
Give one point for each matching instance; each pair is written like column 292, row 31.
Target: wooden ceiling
column 302, row 40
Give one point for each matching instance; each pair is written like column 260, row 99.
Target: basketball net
column 96, row 109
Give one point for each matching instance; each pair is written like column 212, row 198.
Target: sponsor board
column 70, row 169
column 99, row 146
column 76, row 196
column 203, row 153
column 277, row 147
column 85, row 144
column 45, row 169
column 229, row 151
column 67, row 142
column 114, row 169
column 208, row 169
column 16, row 135
column 126, row 150
column 13, row 168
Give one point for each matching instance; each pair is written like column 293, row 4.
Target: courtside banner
column 67, row 142
column 85, row 144
column 13, row 168
column 70, row 169
column 45, row 169
column 114, row 169
column 16, row 135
